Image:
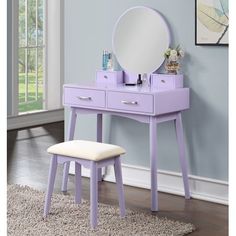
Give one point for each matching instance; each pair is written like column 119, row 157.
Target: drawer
column 166, row 81
column 109, row 77
column 84, row 97
column 130, row 102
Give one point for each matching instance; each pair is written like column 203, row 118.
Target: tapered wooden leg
column 51, row 180
column 78, row 187
column 181, row 148
column 93, row 194
column 70, row 136
column 99, row 139
column 119, row 184
column 153, row 159
column 65, row 176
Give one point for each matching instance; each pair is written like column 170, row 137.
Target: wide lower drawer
column 130, row 102
column 84, row 97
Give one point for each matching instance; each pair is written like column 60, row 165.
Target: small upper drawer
column 109, row 77
column 166, row 81
column 130, row 102
column 84, row 97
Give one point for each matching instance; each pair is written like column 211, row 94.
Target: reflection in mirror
column 140, row 38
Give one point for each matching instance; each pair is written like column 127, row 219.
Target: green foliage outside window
column 30, row 36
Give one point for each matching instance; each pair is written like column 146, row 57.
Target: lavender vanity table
column 146, row 104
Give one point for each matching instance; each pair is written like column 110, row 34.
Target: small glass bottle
column 110, row 62
column 139, row 81
column 104, row 59
column 145, row 80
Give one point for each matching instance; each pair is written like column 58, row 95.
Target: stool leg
column 78, row 187
column 93, row 194
column 51, row 180
column 119, row 184
column 66, row 168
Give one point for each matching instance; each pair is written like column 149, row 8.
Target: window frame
column 15, row 55
column 53, row 101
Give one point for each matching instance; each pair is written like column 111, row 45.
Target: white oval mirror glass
column 140, row 38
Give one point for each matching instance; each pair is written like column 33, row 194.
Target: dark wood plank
column 28, row 164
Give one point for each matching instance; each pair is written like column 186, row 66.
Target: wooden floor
column 28, row 164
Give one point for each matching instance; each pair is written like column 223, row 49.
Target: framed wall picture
column 211, row 22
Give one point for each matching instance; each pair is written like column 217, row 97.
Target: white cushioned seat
column 88, row 150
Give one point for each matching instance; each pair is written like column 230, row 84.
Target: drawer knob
column 163, row 81
column 84, row 98
column 130, row 102
column 105, row 77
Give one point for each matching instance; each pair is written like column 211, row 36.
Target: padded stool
column 91, row 155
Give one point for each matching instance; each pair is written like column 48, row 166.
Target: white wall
column 55, row 55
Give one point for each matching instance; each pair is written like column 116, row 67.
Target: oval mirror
column 140, row 38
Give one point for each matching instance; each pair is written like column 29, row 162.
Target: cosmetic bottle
column 110, row 62
column 145, row 80
column 104, row 59
column 139, row 81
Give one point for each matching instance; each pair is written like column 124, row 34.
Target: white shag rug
column 25, row 217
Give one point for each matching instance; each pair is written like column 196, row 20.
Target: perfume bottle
column 110, row 62
column 104, row 59
column 139, row 81
column 145, row 80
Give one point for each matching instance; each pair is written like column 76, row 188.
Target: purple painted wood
column 130, row 102
column 138, row 117
column 99, row 128
column 51, row 180
column 145, row 104
column 94, row 167
column 70, row 136
column 72, row 123
column 166, row 117
column 84, row 162
column 109, row 77
column 78, row 184
column 153, row 163
column 119, row 184
column 181, row 147
column 167, row 102
column 105, row 162
column 93, row 194
column 99, row 139
column 64, row 159
column 166, row 81
column 84, row 97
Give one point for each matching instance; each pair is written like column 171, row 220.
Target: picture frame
column 211, row 22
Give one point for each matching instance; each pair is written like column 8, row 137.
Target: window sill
column 34, row 118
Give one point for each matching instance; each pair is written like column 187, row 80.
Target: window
column 31, row 55
column 35, row 59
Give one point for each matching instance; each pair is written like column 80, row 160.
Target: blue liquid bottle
column 105, row 56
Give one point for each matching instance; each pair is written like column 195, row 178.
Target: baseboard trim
column 201, row 188
column 32, row 119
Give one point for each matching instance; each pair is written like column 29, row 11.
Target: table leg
column 70, row 136
column 181, row 147
column 153, row 159
column 99, row 139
